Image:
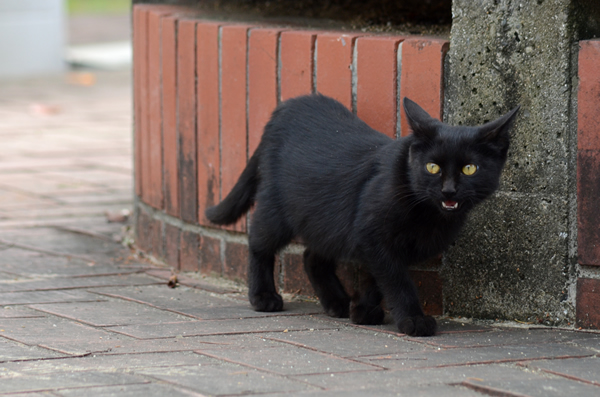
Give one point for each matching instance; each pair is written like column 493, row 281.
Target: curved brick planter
column 204, row 91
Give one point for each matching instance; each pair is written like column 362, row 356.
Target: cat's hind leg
column 366, row 305
column 268, row 234
column 329, row 289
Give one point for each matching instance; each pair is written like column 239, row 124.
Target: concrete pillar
column 517, row 259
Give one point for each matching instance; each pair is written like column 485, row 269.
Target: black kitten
column 350, row 192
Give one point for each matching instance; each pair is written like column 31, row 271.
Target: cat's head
column 455, row 168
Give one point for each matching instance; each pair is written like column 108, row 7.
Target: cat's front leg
column 401, row 296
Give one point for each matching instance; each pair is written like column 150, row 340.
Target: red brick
column 169, row 115
column 148, row 181
column 422, row 76
column 295, row 280
column 207, row 67
column 236, row 261
column 171, row 245
column 377, row 82
column 588, row 111
column 149, row 232
column 233, row 109
column 588, row 211
column 297, row 54
column 186, row 103
column 210, row 256
column 152, row 190
column 262, row 82
column 140, row 90
column 142, row 226
column 429, row 285
column 188, row 253
column 334, row 66
column 588, row 303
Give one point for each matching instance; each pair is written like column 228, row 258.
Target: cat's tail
column 241, row 197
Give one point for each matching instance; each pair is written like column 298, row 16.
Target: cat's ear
column 497, row 132
column 421, row 123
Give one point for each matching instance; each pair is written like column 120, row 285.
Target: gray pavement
column 83, row 314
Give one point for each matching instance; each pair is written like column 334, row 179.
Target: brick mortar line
column 570, row 377
column 78, row 287
column 263, row 370
column 152, row 379
column 196, row 317
column 44, row 251
column 398, row 90
column 324, row 353
column 488, row 390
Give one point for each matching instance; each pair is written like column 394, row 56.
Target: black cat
column 350, row 192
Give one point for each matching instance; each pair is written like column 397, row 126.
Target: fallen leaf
column 173, row 282
column 118, row 216
column 85, row 79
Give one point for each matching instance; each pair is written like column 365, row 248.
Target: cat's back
column 320, row 121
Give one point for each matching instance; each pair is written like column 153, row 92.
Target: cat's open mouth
column 450, row 205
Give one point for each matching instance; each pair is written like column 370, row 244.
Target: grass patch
column 98, row 6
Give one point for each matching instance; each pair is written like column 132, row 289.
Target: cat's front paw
column 418, row 326
column 361, row 313
column 267, row 302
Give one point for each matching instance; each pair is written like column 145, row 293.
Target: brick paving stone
column 59, row 381
column 593, row 342
column 12, row 351
column 222, row 327
column 289, row 361
column 585, row 369
column 504, row 337
column 532, row 387
column 239, row 379
column 56, row 331
column 146, row 390
column 31, row 297
column 36, row 264
column 350, row 342
column 200, row 304
column 474, row 356
column 19, row 312
column 400, row 379
column 374, row 390
column 77, row 282
column 110, row 362
column 61, row 241
column 109, row 313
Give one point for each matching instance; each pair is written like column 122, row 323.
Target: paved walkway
column 81, row 315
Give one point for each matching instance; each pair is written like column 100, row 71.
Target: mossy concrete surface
column 517, row 258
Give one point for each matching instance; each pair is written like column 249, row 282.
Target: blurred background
column 65, row 112
column 46, row 36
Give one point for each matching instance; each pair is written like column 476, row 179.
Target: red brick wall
column 204, row 90
column 588, row 184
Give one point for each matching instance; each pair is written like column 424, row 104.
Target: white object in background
column 107, row 56
column 32, row 37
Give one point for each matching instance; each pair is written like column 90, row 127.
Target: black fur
column 350, row 192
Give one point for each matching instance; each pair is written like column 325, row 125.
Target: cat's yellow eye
column 469, row 169
column 432, row 168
